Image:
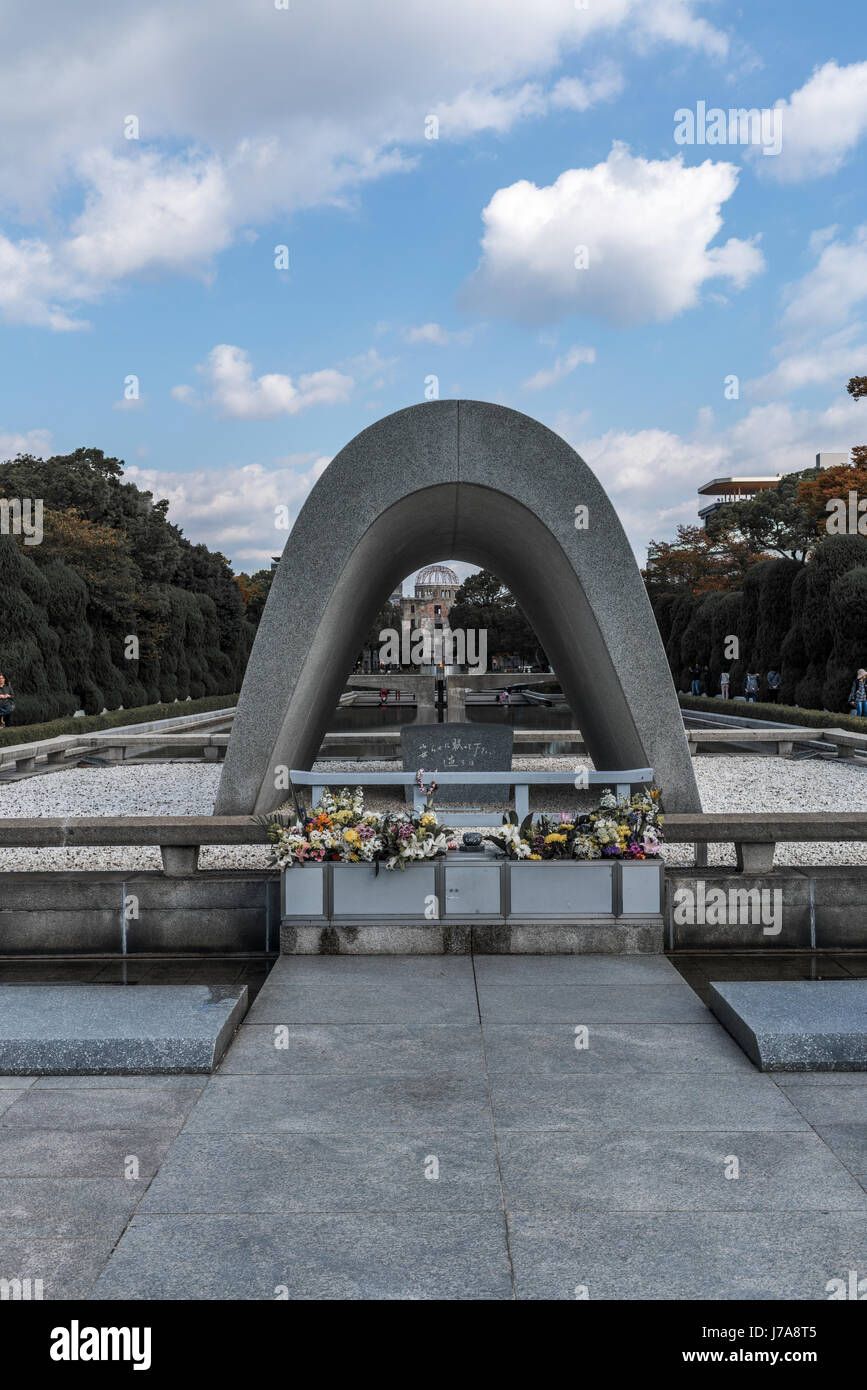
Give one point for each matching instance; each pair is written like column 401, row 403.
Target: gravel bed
column 745, row 784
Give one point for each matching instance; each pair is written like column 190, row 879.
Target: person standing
column 7, row 702
column 775, row 680
column 858, row 693
column 724, row 684
column 695, row 677
column 751, row 686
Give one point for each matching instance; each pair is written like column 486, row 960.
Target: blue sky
column 409, row 256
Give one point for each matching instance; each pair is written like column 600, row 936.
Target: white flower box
column 474, row 889
column 304, row 891
column 582, row 888
column 460, row 888
column 358, row 891
column 641, row 888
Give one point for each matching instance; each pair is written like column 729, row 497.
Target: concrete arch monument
column 484, row 484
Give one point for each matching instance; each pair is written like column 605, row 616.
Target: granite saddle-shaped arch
column 468, row 481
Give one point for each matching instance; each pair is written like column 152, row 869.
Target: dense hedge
column 113, row 605
column 781, row 714
column 808, row 621
column 119, row 718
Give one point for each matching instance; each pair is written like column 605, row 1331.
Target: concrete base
column 451, row 939
column 115, row 1030
column 796, row 1025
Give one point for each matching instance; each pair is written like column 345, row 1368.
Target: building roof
column 436, row 574
column 718, row 487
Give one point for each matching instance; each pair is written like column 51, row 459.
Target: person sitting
column 858, row 693
column 7, row 702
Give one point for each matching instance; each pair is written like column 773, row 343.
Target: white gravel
column 734, row 784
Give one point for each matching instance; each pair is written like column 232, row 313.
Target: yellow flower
column 535, row 856
column 555, row 839
column 351, row 836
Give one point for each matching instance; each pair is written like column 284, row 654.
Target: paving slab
column 79, row 1029
column 372, row 989
column 80, row 1108
column 42, row 1207
column 66, row 1266
column 256, row 1104
column 670, row 1102
column 679, row 1256
column 577, row 970
column 849, row 1143
column 226, row 1173
column 627, row 1048
column 178, row 1081
column 796, row 1025
column 321, row 1256
column 525, row 1002
column 304, row 1048
column 593, row 1170
column 824, row 1105
column 82, row 1153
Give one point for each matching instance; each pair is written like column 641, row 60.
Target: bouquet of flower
column 340, row 829
column 626, row 829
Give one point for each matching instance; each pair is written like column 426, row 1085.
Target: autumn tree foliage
column 697, row 562
column 833, row 485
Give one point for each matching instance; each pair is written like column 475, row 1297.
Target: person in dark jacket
column 858, row 694
column 695, row 677
column 751, row 686
column 775, row 680
column 7, row 702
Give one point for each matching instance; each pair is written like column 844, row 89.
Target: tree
column 697, row 562
column 774, row 519
column 834, row 484
column 255, row 589
column 119, row 569
column 484, row 603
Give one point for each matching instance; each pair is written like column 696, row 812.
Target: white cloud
column 436, row 334
column 652, row 475
column 832, row 359
column 149, row 213
column 823, row 121
column 233, row 391
column 234, row 508
column 33, row 283
column 647, row 226
column 828, row 293
column 475, row 110
column 247, row 113
column 818, row 333
column 549, row 376
column 35, row 442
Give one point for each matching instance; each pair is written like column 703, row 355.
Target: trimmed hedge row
column 783, row 714
column 114, row 719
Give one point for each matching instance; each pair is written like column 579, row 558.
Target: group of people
column 700, row 685
column 7, row 702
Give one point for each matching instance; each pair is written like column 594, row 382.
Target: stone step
column 796, row 1025
column 116, row 1030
